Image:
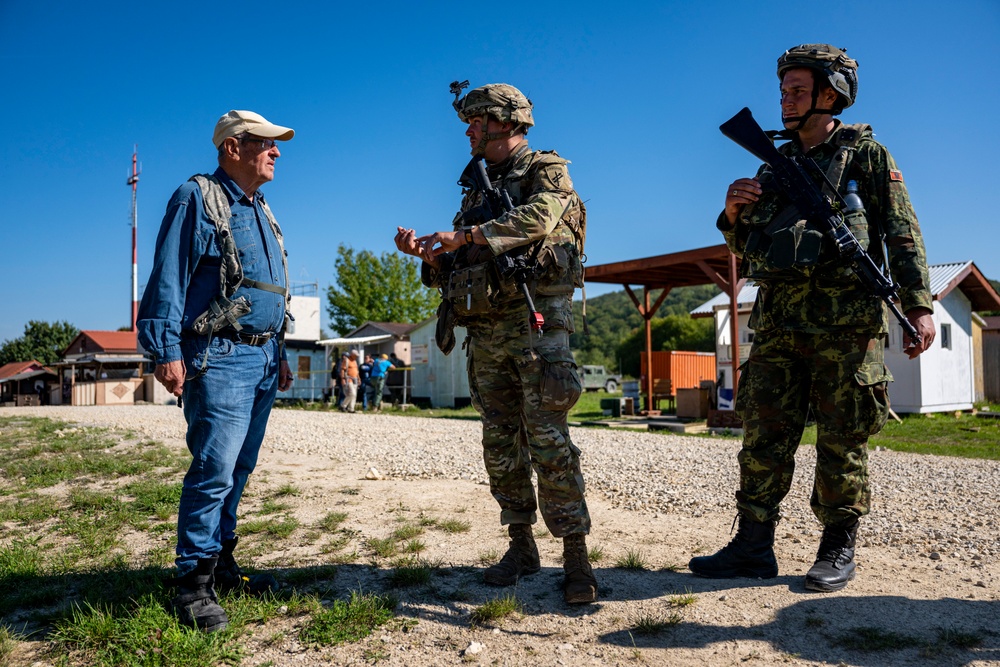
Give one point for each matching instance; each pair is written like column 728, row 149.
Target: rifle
column 792, row 177
column 511, row 265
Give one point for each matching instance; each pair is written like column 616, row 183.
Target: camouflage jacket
column 547, row 209
column 830, row 297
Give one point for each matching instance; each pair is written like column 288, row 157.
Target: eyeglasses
column 266, row 144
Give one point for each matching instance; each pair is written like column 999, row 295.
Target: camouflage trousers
column 842, row 376
column 523, row 386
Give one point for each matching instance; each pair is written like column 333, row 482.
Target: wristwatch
column 468, row 235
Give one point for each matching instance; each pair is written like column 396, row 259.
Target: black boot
column 579, row 584
column 196, row 603
column 229, row 576
column 834, row 565
column 749, row 554
column 520, row 560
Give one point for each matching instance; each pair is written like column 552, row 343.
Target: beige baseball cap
column 237, row 122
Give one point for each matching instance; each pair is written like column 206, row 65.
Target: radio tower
column 133, row 180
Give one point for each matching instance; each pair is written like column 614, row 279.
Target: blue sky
column 631, row 92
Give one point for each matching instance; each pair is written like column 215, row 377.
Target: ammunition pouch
column 222, row 313
column 472, row 290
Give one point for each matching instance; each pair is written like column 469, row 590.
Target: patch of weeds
column 280, row 528
column 672, row 567
column 270, row 506
column 344, row 558
column 29, row 509
column 875, row 639
column 949, row 640
column 410, row 572
column 632, row 560
column 382, row 547
column 496, row 609
column 308, row 576
column 426, row 521
column 650, row 625
column 331, row 521
column 454, row 526
column 414, row 547
column 348, row 621
column 374, row 655
column 596, row 554
column 685, row 600
column 143, row 634
column 158, row 499
column 335, row 543
column 161, row 556
column 259, row 609
column 350, row 490
column 285, row 490
column 407, row 532
column 8, row 641
column 488, row 557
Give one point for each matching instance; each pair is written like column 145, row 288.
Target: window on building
column 304, row 367
column 946, row 336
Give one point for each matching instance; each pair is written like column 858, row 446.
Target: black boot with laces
column 834, row 565
column 749, row 554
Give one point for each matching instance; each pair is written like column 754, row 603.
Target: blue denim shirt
column 185, row 274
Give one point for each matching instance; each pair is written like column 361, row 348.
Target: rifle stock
column 795, row 183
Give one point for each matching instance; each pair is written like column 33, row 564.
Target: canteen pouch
column 444, row 332
column 221, row 313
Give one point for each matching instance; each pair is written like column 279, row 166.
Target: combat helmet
column 501, row 100
column 832, row 63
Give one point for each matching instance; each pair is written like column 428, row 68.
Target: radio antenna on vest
column 133, row 180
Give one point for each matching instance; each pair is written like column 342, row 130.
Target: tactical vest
column 224, row 312
column 475, row 287
column 781, row 245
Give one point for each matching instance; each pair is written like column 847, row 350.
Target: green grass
column 7, row 644
column 331, row 521
column 596, row 554
column 280, row 528
column 652, row 625
column 632, row 560
column 407, row 532
column 454, row 526
column 685, row 600
column 410, row 572
column 382, row 547
column 348, row 621
column 496, row 609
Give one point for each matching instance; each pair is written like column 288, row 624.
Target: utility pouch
column 796, row 245
column 471, row 290
column 221, row 313
column 444, row 331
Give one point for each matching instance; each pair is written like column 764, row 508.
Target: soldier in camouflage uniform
column 819, row 334
column 523, row 382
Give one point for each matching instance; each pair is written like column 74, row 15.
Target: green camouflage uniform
column 524, row 384
column 819, row 341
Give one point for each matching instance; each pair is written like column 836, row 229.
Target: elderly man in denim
column 213, row 317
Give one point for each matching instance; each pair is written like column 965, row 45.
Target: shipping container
column 683, row 369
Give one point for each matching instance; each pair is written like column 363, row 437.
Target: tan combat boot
column 579, row 584
column 520, row 560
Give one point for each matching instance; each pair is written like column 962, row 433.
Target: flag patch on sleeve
column 895, row 175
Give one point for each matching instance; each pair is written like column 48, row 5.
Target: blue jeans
column 226, row 410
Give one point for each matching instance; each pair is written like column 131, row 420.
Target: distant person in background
column 218, row 345
column 380, row 367
column 364, row 373
column 338, row 380
column 350, row 378
column 395, row 361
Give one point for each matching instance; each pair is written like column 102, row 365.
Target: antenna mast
column 133, row 180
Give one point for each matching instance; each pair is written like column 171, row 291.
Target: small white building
column 442, row 380
column 939, row 380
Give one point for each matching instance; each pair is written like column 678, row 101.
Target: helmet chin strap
column 801, row 120
column 480, row 149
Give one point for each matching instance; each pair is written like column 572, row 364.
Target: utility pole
column 133, row 180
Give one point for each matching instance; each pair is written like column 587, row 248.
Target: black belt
column 257, row 339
